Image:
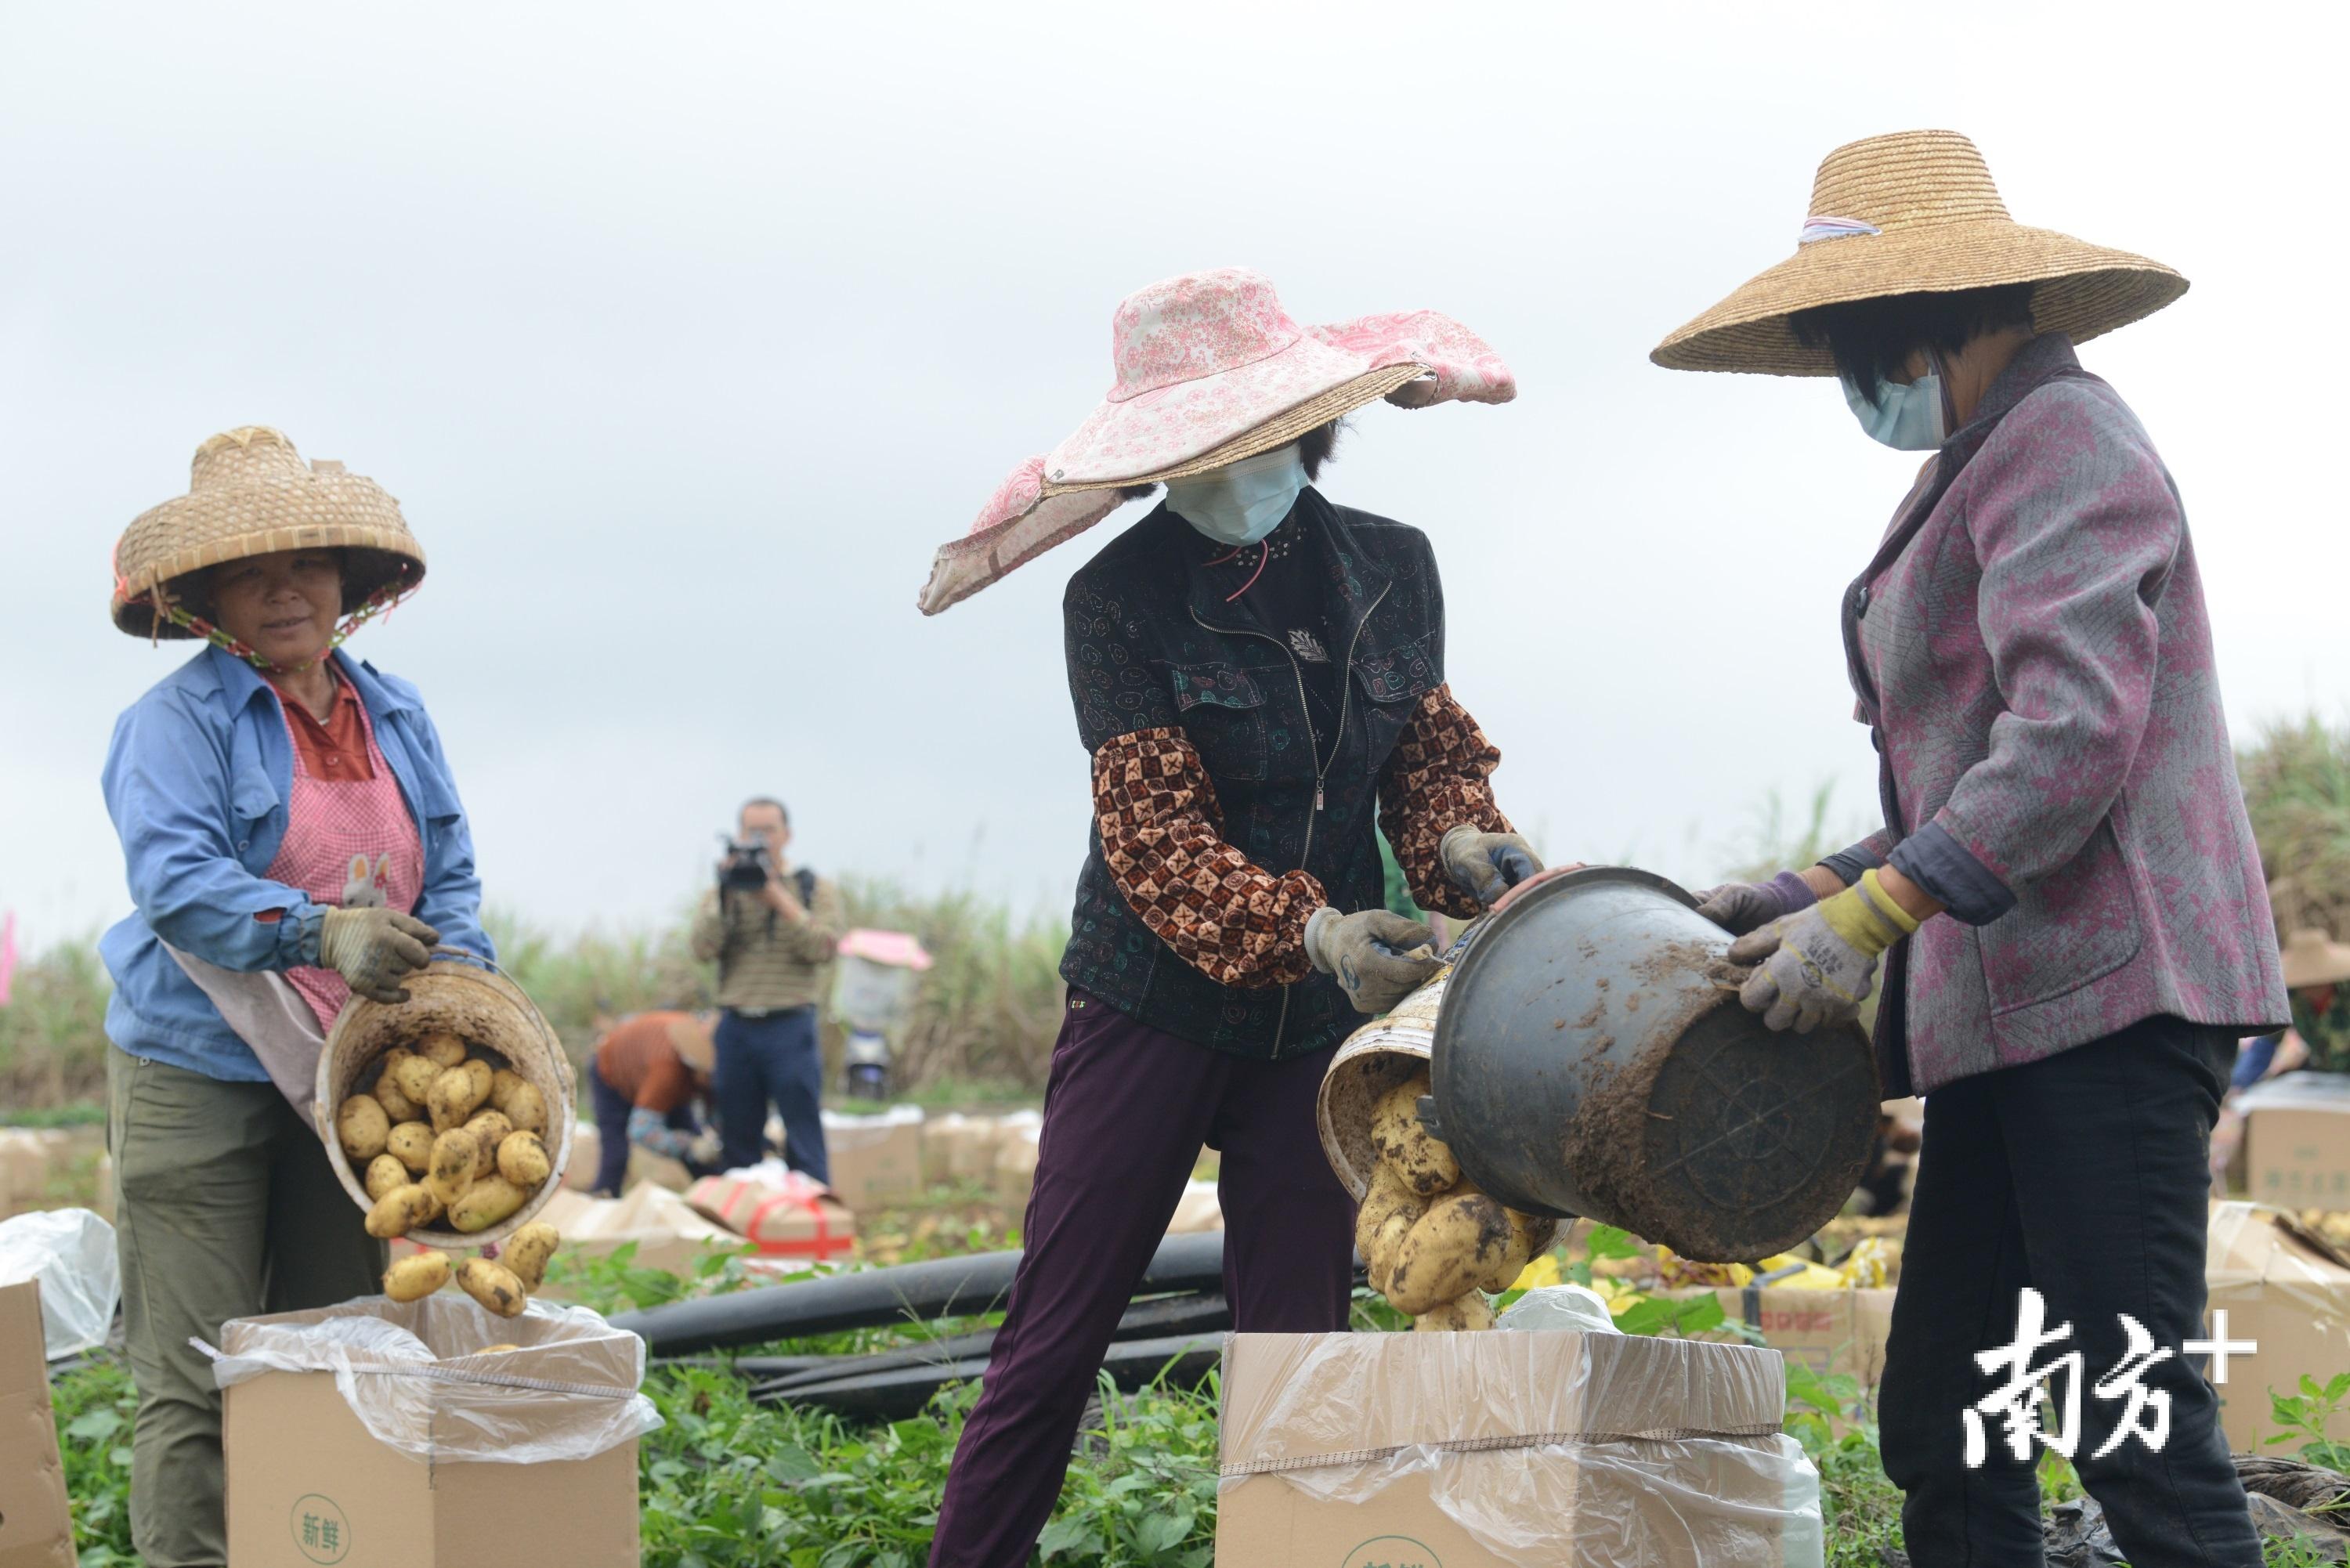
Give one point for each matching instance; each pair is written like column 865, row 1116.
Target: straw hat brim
column 1046, row 513
column 693, row 1044
column 192, row 533
column 1334, row 402
column 2082, row 290
column 2310, row 959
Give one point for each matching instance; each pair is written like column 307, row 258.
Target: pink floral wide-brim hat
column 1211, row 369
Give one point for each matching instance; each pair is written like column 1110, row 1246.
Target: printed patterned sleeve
column 1163, row 836
column 1436, row 779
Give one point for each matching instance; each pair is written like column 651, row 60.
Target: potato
column 441, row 1048
column 522, row 1159
column 1461, row 1239
column 385, row 1172
column 362, row 1126
column 527, row 1250
column 493, row 1286
column 452, row 1097
column 1425, row 1165
column 1529, row 1234
column 412, row 1143
column 415, row 1075
column 483, row 1075
column 503, row 1085
column 1465, row 1315
column 454, row 1155
column 490, row 1128
column 413, row 1279
column 1390, row 1210
column 526, row 1108
column 485, row 1203
column 396, row 1105
column 400, row 1211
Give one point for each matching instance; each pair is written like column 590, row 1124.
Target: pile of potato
column 445, row 1135
column 1435, row 1245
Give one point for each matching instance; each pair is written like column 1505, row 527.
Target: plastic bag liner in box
column 1599, row 1451
column 412, row 1374
column 71, row 1252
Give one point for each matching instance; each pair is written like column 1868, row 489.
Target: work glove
column 1486, row 864
column 375, row 949
column 1379, row 957
column 1817, row 964
column 1739, row 908
column 705, row 1150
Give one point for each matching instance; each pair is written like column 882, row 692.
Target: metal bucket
column 1591, row 1057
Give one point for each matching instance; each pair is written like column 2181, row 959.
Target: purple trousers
column 1126, row 1110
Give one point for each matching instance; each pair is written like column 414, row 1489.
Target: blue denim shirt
column 197, row 781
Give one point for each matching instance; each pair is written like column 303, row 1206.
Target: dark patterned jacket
column 1217, row 829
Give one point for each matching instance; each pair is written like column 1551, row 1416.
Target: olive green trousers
column 225, row 1207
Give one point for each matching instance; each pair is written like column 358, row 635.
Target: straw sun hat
column 1914, row 212
column 250, row 494
column 1210, row 370
column 2310, row 959
column 689, row 1032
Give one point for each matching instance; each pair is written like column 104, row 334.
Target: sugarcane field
column 1615, row 973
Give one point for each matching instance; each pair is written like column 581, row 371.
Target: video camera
column 745, row 867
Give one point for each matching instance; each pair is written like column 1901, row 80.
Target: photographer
column 771, row 929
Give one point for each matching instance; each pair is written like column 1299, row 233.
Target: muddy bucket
column 1591, row 1057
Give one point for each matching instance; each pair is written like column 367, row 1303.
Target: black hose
column 1184, row 1359
column 870, row 1298
column 1195, row 1315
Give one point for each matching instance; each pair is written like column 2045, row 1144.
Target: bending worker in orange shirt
column 645, row 1078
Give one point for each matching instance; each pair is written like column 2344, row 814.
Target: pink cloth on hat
column 1202, row 360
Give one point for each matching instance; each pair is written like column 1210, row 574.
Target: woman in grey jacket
column 2065, row 879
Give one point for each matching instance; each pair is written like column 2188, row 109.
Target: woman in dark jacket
column 2066, row 881
column 1258, row 677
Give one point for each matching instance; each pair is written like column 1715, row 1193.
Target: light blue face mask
column 1911, row 418
column 1242, row 502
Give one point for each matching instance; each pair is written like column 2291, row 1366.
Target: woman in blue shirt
column 292, row 834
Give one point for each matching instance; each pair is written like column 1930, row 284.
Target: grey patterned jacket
column 2031, row 654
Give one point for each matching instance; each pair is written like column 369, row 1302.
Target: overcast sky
column 685, row 334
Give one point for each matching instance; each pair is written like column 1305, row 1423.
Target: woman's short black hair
column 1873, row 338
column 1313, row 450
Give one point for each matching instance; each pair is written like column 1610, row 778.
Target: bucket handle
column 444, row 950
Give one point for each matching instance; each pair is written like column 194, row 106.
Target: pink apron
column 349, row 844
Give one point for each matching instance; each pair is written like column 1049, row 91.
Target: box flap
column 1296, row 1396
column 36, row 1528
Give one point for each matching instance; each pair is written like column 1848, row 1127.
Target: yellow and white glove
column 1816, row 965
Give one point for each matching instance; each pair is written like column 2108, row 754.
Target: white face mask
column 1242, row 502
column 1908, row 419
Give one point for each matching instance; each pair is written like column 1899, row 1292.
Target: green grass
column 727, row 1483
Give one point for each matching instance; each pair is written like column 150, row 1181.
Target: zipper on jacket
column 1321, row 764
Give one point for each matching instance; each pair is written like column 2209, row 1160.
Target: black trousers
column 2084, row 1176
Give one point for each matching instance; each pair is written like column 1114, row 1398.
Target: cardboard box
column 2285, row 1290
column 1501, row 1449
column 308, row 1483
column 26, row 1157
column 875, row 1158
column 1841, row 1332
column 587, row 1154
column 2297, row 1140
column 1016, row 1147
column 788, row 1217
column 36, row 1528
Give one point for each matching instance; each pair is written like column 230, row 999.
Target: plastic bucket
column 460, row 994
column 1591, row 1057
